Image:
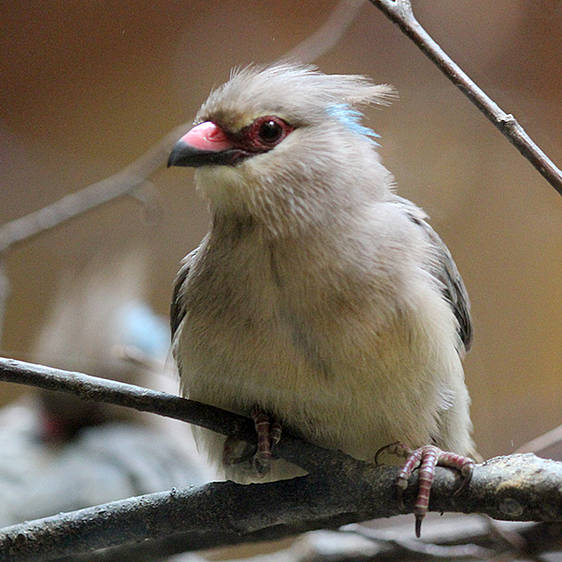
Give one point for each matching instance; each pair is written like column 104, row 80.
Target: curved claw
column 427, row 458
column 419, row 519
column 465, row 465
column 383, row 449
column 466, row 474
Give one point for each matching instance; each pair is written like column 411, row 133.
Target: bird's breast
column 303, row 340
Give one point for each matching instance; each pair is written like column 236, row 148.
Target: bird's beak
column 205, row 144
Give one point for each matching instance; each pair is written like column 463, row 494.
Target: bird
column 319, row 301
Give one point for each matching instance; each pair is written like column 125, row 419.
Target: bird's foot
column 269, row 434
column 426, row 458
column 268, row 431
column 236, row 451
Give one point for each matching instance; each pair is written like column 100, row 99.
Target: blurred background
column 89, row 86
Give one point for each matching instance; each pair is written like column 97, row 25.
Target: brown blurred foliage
column 89, row 86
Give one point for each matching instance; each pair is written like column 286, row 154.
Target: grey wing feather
column 445, row 270
column 453, row 286
column 177, row 307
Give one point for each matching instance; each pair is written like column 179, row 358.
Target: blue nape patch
column 351, row 118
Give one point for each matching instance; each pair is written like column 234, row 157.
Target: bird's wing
column 445, row 270
column 453, row 286
column 177, row 307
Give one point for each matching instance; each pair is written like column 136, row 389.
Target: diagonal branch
column 133, row 177
column 86, row 387
column 402, row 14
column 519, row 487
column 327, row 36
column 126, row 182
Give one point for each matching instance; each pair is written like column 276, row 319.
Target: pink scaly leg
column 427, row 458
column 237, row 451
column 269, row 434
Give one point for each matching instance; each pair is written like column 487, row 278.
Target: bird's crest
column 301, row 91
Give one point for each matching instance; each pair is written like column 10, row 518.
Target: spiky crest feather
column 303, row 94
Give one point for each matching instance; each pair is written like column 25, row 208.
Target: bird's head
column 277, row 142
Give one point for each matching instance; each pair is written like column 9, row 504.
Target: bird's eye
column 267, row 132
column 270, row 131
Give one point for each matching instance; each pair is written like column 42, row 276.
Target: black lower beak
column 185, row 155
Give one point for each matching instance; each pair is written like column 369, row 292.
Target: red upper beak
column 205, row 144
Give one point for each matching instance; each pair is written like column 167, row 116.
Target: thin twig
column 402, row 14
column 133, row 180
column 328, row 34
column 125, row 182
column 133, row 177
column 97, row 389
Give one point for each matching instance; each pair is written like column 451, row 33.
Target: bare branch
column 339, row 489
column 327, row 36
column 133, row 177
column 402, row 14
column 521, row 487
column 131, row 180
column 97, row 389
column 125, row 182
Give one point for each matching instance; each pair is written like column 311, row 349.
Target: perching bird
column 319, row 300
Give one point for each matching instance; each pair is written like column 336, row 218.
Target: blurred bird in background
column 319, row 300
column 60, row 453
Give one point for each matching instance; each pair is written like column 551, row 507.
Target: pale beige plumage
column 318, row 294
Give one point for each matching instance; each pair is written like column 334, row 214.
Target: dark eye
column 270, row 131
column 266, row 132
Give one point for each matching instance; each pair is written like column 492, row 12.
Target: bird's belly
column 336, row 386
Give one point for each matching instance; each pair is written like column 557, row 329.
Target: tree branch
column 133, row 177
column 339, row 489
column 519, row 487
column 327, row 36
column 402, row 14
column 125, row 182
column 90, row 388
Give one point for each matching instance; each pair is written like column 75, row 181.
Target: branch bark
column 338, row 490
column 86, row 387
column 402, row 14
column 519, row 487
